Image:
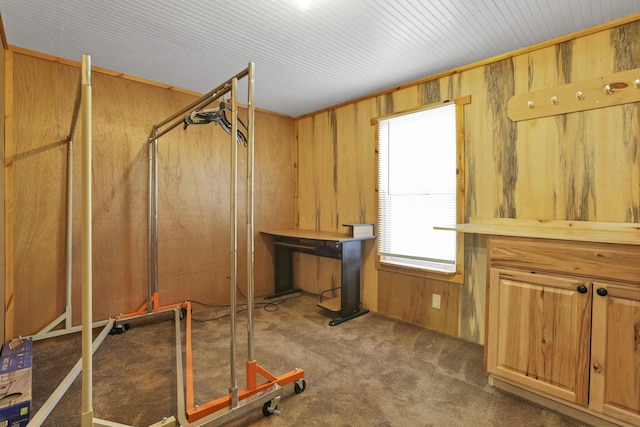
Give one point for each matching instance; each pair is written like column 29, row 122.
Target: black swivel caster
column 119, row 329
column 299, row 386
column 271, row 407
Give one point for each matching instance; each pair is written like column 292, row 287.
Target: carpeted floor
column 370, row 371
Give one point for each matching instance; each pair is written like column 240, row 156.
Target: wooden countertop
column 582, row 231
column 316, row 235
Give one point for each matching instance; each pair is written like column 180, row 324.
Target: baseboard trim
column 581, row 414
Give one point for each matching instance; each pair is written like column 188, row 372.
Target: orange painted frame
column 155, row 308
column 252, row 370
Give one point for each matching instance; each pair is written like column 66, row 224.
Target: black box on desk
column 15, row 382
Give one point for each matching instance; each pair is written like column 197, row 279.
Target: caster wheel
column 267, row 411
column 119, row 329
column 299, row 386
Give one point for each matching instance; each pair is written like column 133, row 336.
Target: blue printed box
column 15, row 383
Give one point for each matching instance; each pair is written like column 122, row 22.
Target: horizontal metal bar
column 197, row 104
column 155, row 134
column 59, row 332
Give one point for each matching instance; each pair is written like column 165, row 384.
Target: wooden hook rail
column 614, row 89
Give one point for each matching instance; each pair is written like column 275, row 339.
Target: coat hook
column 580, row 95
column 636, row 83
column 554, row 100
column 607, row 89
column 531, row 104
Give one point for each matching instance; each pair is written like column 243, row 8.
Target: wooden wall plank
column 3, row 100
column 365, row 140
column 42, row 117
column 317, row 200
column 339, row 191
column 274, row 188
column 412, row 301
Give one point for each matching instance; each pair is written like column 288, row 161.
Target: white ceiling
column 306, row 58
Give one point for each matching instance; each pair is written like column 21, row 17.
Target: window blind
column 417, row 188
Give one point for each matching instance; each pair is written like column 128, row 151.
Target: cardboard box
column 15, row 382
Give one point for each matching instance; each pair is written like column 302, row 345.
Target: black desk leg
column 283, row 272
column 350, row 287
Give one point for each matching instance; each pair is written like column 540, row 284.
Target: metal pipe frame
column 254, row 394
column 233, row 390
column 86, row 413
column 153, row 204
column 152, row 305
column 223, row 414
column 267, row 391
column 250, row 195
column 87, row 310
column 150, row 222
column 69, row 234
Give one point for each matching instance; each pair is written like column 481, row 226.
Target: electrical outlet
column 435, row 301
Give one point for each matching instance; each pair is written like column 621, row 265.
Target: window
column 419, row 187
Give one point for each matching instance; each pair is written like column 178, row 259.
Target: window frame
column 458, row 275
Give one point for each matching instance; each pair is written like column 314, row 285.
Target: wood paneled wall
column 194, row 185
column 317, row 172
column 578, row 166
column 2, row 159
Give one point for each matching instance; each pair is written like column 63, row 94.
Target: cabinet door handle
column 582, row 289
column 602, row 292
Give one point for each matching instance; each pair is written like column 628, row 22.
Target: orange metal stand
column 268, row 391
column 253, row 387
column 146, row 309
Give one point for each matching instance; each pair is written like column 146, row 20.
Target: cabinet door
column 539, row 332
column 615, row 351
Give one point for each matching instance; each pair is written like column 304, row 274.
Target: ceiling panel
column 306, row 57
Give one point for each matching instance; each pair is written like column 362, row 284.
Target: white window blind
column 417, row 188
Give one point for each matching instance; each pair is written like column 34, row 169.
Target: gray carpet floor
column 369, row 371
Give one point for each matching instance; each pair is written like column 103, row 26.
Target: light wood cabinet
column 540, row 328
column 615, row 352
column 563, row 321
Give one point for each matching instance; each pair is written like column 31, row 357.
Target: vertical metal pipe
column 234, row 241
column 250, row 235
column 150, row 249
column 69, row 248
column 155, row 224
column 87, row 313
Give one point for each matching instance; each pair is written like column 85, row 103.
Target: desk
column 325, row 244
